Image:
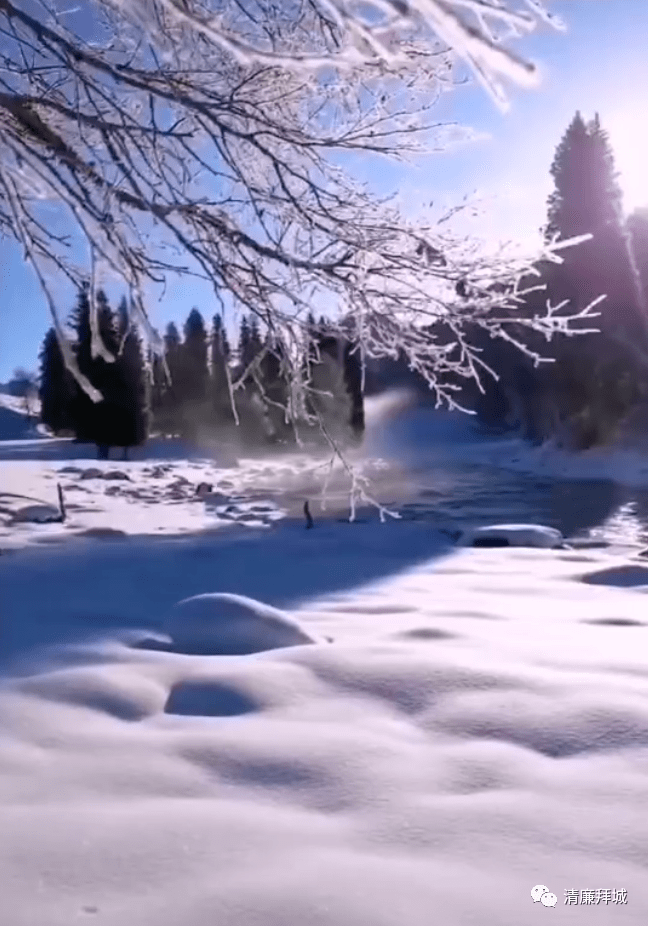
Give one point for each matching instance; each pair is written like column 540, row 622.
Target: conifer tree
column 106, row 417
column 587, row 200
column 638, row 229
column 193, row 384
column 219, row 359
column 194, row 352
column 158, row 385
column 596, row 379
column 244, row 343
column 587, row 196
column 56, row 386
column 256, row 341
column 82, row 406
column 275, row 391
column 169, row 408
column 133, row 383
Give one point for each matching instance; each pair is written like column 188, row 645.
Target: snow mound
column 221, row 624
column 513, row 535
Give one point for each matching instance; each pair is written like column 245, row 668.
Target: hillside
column 15, row 424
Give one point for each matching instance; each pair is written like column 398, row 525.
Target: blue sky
column 599, row 64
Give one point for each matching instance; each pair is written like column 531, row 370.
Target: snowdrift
column 223, row 624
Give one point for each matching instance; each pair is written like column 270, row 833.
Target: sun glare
column 629, row 139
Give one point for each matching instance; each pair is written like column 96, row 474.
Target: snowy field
column 408, row 733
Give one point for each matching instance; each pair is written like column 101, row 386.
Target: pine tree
column 587, row 196
column 638, row 229
column 193, row 385
column 275, row 392
column 194, row 357
column 353, row 381
column 219, row 359
column 256, row 341
column 169, row 406
column 106, row 420
column 158, row 385
column 336, row 387
column 133, row 387
column 244, row 343
column 596, row 379
column 82, row 406
column 587, row 200
column 56, row 389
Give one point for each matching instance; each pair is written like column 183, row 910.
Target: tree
column 82, row 408
column 106, row 415
column 157, row 388
column 96, row 350
column 587, row 199
column 597, row 379
column 219, row 383
column 637, row 225
column 246, row 347
column 133, row 388
column 56, row 387
column 274, row 388
column 586, row 195
column 193, row 380
column 181, row 145
column 170, row 406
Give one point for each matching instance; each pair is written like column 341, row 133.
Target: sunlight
column 629, row 138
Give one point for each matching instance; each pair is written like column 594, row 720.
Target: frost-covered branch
column 203, row 138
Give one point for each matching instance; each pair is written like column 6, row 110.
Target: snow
column 222, row 624
column 369, row 726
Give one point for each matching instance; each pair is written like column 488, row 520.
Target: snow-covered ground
column 408, row 733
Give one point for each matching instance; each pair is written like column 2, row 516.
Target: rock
column 513, row 535
column 92, row 473
column 38, row 514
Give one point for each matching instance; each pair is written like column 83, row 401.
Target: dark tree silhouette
column 95, row 422
column 107, row 414
column 82, row 406
column 219, row 360
column 132, row 386
column 56, row 386
column 168, row 417
column 193, row 381
column 275, row 390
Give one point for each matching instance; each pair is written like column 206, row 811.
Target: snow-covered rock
column 513, row 535
column 37, row 514
column 223, row 624
column 91, row 473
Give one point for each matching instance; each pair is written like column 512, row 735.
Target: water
column 429, row 467
column 440, row 469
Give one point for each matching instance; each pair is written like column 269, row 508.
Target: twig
column 61, row 503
